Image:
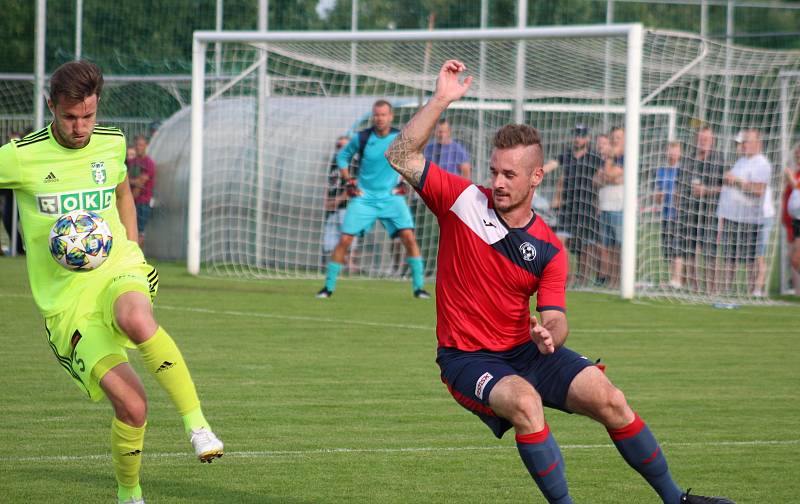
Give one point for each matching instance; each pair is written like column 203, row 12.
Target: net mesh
column 268, row 146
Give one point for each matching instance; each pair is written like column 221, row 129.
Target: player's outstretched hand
column 448, row 85
column 541, row 337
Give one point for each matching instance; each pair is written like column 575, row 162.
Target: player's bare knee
column 137, row 323
column 518, row 402
column 527, row 413
column 617, row 401
column 132, row 411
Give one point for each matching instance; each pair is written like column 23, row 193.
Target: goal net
column 275, row 104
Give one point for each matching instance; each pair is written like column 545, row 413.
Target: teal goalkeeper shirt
column 376, row 177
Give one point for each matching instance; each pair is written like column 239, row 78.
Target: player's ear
column 51, row 106
column 537, row 176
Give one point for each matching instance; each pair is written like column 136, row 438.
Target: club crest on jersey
column 528, row 251
column 99, row 172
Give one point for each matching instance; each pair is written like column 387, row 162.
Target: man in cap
column 575, row 200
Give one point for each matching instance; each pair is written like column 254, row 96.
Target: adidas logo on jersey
column 164, row 366
column 50, row 178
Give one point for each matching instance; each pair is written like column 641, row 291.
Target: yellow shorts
column 85, row 335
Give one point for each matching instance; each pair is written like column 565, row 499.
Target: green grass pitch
column 322, row 401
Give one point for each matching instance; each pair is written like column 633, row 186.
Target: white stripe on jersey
column 472, row 207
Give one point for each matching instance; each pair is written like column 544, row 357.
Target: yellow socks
column 164, row 361
column 126, row 452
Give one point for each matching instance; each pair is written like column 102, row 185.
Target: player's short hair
column 382, row 103
column 674, row 144
column 514, row 135
column 76, row 81
column 442, row 120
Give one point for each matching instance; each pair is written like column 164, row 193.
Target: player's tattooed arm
column 405, row 156
column 405, row 153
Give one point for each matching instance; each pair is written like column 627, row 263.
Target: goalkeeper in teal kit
column 374, row 195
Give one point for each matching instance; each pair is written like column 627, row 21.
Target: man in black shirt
column 575, row 200
column 698, row 193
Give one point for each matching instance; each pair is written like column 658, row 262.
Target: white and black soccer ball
column 80, row 240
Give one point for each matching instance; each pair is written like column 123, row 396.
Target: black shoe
column 699, row 499
column 421, row 294
column 324, row 293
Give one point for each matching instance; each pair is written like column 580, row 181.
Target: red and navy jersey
column 486, row 271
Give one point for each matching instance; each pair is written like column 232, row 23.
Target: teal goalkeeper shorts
column 362, row 211
column 84, row 334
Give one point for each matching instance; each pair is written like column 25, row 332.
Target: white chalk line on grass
column 426, row 449
column 301, row 318
column 325, row 320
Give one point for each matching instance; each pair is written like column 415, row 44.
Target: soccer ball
column 80, row 240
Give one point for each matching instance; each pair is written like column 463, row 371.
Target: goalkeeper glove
column 400, row 189
column 352, row 188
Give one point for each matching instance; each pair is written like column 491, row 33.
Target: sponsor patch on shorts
column 481, row 383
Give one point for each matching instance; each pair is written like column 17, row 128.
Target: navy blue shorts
column 471, row 376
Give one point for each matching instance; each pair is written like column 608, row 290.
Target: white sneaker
column 206, row 445
column 759, row 293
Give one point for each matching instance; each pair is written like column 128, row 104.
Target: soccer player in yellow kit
column 91, row 317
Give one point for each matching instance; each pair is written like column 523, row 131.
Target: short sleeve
column 439, row 189
column 10, row 173
column 552, row 285
column 123, row 171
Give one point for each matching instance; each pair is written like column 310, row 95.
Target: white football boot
column 206, row 445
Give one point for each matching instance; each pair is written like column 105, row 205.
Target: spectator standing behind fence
column 7, row 198
column 142, row 176
column 447, row 153
column 791, row 216
column 699, row 184
column 741, row 209
column 335, row 204
column 764, row 234
column 575, row 200
column 666, row 196
column 610, row 202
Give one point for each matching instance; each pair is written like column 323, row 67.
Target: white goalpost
column 262, row 130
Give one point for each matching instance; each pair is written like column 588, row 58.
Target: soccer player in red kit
column 497, row 360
